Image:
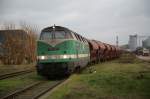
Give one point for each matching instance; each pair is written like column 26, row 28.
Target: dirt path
column 146, row 58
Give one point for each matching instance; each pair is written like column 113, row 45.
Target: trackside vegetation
column 10, row 85
column 124, row 78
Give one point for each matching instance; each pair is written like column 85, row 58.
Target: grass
column 118, row 79
column 14, row 68
column 9, row 85
column 15, row 83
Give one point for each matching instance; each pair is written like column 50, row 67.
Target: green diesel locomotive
column 61, row 51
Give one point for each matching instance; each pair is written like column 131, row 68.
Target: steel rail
column 15, row 74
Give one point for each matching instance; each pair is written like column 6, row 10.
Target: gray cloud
column 96, row 19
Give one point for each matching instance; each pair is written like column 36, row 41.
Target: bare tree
column 31, row 42
column 19, row 45
column 13, row 49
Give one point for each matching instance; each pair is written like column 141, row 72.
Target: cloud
column 96, row 19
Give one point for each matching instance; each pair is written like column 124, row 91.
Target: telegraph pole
column 117, row 42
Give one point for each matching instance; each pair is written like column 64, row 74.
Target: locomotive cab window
column 55, row 35
column 46, row 36
column 61, row 35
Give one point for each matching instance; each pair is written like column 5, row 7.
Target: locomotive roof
column 56, row 28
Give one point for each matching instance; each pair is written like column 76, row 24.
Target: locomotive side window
column 76, row 36
column 81, row 39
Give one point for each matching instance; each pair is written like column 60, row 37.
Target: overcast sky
column 95, row 19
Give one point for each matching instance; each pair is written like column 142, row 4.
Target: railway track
column 34, row 91
column 15, row 74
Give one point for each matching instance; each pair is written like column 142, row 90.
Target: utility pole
column 117, row 42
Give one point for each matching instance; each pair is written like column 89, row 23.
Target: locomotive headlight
column 65, row 56
column 42, row 57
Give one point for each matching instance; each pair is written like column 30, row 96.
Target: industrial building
column 146, row 43
column 136, row 41
column 132, row 42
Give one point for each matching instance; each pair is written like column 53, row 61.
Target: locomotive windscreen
column 48, row 35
